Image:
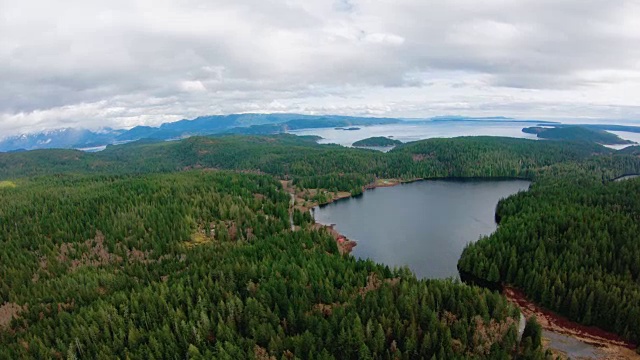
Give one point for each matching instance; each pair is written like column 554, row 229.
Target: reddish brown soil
column 612, row 344
column 345, row 246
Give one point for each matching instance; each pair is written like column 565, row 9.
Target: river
column 424, row 225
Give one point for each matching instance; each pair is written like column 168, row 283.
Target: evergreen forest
column 174, row 250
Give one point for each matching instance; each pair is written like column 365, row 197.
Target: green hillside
column 377, row 141
column 184, row 249
column 203, row 265
column 577, row 133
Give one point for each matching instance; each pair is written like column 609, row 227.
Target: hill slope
column 571, row 184
column 203, row 265
column 379, row 141
column 205, row 125
column 577, row 133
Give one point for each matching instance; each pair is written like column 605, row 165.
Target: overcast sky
column 122, row 63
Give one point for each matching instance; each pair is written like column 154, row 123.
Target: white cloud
column 122, row 63
column 381, row 38
column 192, row 86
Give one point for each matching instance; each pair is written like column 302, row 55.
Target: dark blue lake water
column 424, row 225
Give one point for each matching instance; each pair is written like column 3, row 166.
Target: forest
column 311, row 165
column 202, row 264
column 380, row 141
column 184, row 250
column 571, row 247
column 577, row 133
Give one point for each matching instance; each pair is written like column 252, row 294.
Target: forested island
column 577, row 133
column 377, row 141
column 185, row 250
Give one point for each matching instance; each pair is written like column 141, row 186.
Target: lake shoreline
column 607, row 343
column 346, row 245
column 626, row 177
column 593, row 338
column 392, row 182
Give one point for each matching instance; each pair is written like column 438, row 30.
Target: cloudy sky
column 122, row 63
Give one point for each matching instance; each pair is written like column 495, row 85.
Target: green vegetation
column 184, row 249
column 377, row 141
column 573, row 247
column 109, row 266
column 7, row 184
column 330, row 166
column 576, row 133
column 531, row 337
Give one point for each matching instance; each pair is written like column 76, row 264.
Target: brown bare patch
column 66, row 306
column 383, row 183
column 326, row 309
column 98, row 254
column 261, row 353
column 92, row 252
column 201, row 237
column 24, row 344
column 418, row 157
column 344, row 245
column 448, row 318
column 135, row 255
column 250, row 235
column 232, row 229
column 485, row 335
column 611, row 344
column 8, row 312
column 374, row 283
column 456, row 346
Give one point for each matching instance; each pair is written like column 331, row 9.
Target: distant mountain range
column 256, row 124
column 70, row 138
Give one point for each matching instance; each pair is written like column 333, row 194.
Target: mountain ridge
column 77, row 138
column 249, row 124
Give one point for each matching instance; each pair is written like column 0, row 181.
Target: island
column 576, row 133
column 377, row 141
column 348, row 128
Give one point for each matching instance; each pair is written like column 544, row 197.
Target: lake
column 424, row 225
